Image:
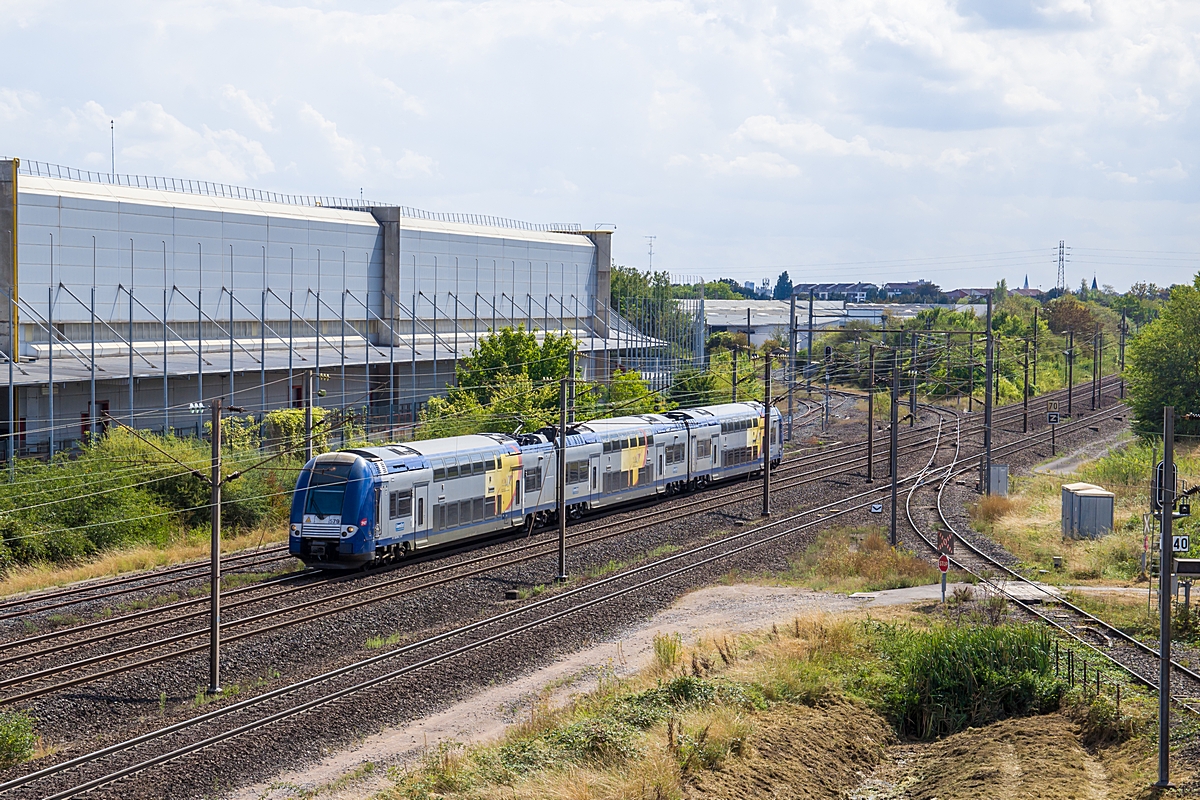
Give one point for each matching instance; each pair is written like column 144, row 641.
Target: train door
column 420, row 534
column 594, row 477
column 660, row 474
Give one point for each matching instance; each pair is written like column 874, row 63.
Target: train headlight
column 295, row 529
column 350, row 529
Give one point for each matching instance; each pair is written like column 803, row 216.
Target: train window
column 608, row 447
column 645, row 475
column 650, row 439
column 533, row 479
column 439, row 517
column 400, row 504
column 451, row 470
column 593, row 479
column 489, row 507
column 464, row 466
column 439, row 472
column 326, row 489
column 477, row 509
column 464, row 512
column 641, row 441
column 420, row 511
column 517, row 492
column 477, row 465
column 451, row 515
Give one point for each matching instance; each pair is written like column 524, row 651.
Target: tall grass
column 950, row 678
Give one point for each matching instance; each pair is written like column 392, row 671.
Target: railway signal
column 943, row 567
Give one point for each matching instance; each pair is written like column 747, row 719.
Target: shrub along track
column 1131, row 656
column 448, row 680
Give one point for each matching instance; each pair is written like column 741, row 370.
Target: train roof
column 438, row 447
column 719, row 411
column 633, row 421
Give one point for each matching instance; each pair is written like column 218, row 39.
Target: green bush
column 124, row 489
column 950, row 678
column 17, row 738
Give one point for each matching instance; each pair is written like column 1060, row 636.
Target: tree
column 1164, row 365
column 1068, row 314
column 509, row 352
column 783, row 287
column 693, row 387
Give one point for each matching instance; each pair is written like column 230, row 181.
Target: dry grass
column 855, row 560
column 991, row 507
column 132, row 559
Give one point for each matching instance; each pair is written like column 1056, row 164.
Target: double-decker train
column 356, row 507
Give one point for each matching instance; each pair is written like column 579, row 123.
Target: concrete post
column 8, row 255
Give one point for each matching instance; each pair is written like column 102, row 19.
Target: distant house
column 903, row 288
column 1027, row 292
column 954, row 295
column 851, row 292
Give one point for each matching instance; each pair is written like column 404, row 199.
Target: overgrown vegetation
column 1028, row 523
column 511, row 384
column 951, row 678
column 1164, row 365
column 702, row 707
column 122, row 490
column 17, row 738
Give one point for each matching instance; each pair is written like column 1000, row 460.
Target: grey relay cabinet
column 1087, row 511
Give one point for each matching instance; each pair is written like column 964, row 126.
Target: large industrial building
column 140, row 296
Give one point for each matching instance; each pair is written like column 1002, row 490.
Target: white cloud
column 809, row 137
column 761, row 165
column 884, row 124
column 356, row 160
column 412, row 164
column 348, row 154
column 1175, row 173
column 13, row 104
column 256, row 111
column 407, row 101
column 149, row 139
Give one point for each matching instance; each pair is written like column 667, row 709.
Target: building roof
column 254, row 204
column 732, row 313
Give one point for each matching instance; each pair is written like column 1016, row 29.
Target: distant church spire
column 1094, row 282
column 1026, row 280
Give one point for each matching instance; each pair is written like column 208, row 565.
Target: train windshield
column 326, row 488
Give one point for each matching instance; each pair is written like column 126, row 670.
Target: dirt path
column 1069, row 463
column 346, row 775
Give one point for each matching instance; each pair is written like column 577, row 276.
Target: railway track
column 54, row 600
column 1087, row 631
column 762, row 534
column 105, row 633
column 370, row 673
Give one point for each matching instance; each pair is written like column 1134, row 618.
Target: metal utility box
column 1070, row 507
column 998, row 480
column 1087, row 511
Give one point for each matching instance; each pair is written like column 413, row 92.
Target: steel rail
column 467, row 628
column 621, row 528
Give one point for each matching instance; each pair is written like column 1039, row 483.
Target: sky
column 837, row 139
